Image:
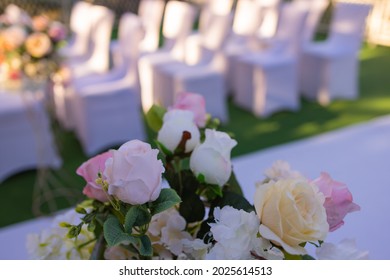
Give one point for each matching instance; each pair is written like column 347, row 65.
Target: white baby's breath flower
column 52, row 243
column 345, row 250
column 235, row 232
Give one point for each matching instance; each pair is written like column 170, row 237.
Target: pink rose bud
column 192, row 102
column 338, row 200
column 89, row 171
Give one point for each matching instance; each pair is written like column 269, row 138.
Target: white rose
column 212, row 158
column 175, row 123
column 291, row 212
column 345, row 250
column 235, row 232
column 134, row 173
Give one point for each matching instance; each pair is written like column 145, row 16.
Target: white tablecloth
column 358, row 156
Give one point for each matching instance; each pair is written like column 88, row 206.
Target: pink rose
column 338, row 200
column 134, row 173
column 89, row 171
column 192, row 102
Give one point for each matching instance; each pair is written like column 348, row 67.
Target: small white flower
column 235, row 232
column 345, row 250
column 168, row 229
column 53, row 244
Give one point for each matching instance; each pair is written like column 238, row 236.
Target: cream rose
column 134, row 173
column 175, row 123
column 291, row 212
column 212, row 157
column 38, row 44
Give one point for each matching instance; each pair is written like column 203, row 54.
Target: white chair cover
column 81, row 67
column 80, row 27
column 178, row 21
column 252, row 20
column 330, row 69
column 205, row 78
column 109, row 113
column 151, row 12
column 266, row 82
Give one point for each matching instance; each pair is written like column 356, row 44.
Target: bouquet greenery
column 180, row 200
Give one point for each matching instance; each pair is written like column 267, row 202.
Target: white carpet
column 358, row 156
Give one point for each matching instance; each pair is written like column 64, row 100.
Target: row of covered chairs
column 262, row 53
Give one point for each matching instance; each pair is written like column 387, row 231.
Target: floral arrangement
column 28, row 45
column 180, row 200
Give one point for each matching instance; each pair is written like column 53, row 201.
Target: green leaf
column 213, row 191
column 307, row 257
column 163, row 149
column 167, row 199
column 232, row 185
column 80, row 210
column 91, row 226
column 192, row 208
column 201, row 178
column 234, row 200
column 145, row 248
column 114, row 234
column 74, row 231
column 136, row 216
column 154, row 117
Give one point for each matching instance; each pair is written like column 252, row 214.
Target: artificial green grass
column 19, row 192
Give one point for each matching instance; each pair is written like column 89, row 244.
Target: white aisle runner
column 358, row 156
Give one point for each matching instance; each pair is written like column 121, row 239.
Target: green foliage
column 154, row 117
column 136, row 216
column 233, row 199
column 167, row 199
column 114, row 233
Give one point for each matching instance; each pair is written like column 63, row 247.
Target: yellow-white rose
column 291, row 212
column 38, row 44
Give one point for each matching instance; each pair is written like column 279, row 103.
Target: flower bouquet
column 180, row 200
column 28, row 46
